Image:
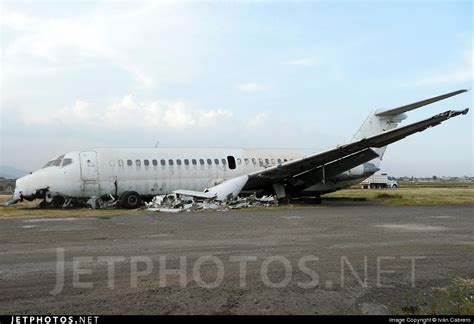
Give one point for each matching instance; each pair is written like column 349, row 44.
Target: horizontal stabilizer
column 415, row 105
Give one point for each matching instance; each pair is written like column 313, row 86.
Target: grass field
column 417, row 195
column 437, row 184
column 31, row 209
column 410, row 196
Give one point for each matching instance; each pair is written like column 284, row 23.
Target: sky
column 274, row 74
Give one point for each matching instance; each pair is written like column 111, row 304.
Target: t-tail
column 381, row 120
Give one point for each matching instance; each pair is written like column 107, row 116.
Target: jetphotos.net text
column 209, row 271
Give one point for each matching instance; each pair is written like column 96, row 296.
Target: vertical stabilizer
column 375, row 124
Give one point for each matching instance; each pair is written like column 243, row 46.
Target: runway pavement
column 338, row 258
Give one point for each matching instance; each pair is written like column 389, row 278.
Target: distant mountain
column 9, row 172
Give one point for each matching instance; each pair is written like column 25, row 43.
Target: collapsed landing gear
column 130, row 200
column 285, row 200
column 52, row 201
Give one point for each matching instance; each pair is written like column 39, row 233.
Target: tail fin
column 382, row 120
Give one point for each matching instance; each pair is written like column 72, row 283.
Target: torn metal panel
column 95, row 202
column 224, row 191
column 197, row 194
column 229, row 189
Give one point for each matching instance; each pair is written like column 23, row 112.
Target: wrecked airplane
column 130, row 175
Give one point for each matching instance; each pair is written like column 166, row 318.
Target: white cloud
column 307, row 61
column 259, row 119
column 462, row 72
column 149, row 42
column 127, row 114
column 15, row 20
column 251, row 87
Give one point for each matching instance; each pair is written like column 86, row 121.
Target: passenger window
column 146, row 162
column 163, row 162
column 279, row 161
column 254, row 160
column 216, row 161
column 223, row 162
column 201, row 161
column 246, row 161
column 67, row 162
column 273, row 161
column 285, row 160
column 267, row 161
column 260, row 161
column 138, row 162
column 209, row 161
column 170, row 162
column 194, row 161
column 178, row 162
column 120, row 162
column 129, row 162
column 186, row 161
column 155, row 162
column 239, row 161
column 231, row 161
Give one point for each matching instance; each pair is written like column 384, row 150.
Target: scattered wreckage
column 175, row 203
column 222, row 196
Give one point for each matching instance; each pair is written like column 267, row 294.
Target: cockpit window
column 56, row 162
column 50, row 163
column 66, row 162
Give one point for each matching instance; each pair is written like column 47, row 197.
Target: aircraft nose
column 22, row 188
column 18, row 189
column 17, row 194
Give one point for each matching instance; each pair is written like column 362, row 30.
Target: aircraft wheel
column 130, row 200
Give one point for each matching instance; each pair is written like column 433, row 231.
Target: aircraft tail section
column 375, row 124
column 382, row 120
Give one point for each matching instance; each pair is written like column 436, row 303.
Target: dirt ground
column 362, row 248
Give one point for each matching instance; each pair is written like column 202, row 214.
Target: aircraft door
column 89, row 166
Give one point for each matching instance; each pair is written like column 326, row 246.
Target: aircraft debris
column 175, row 203
column 95, row 202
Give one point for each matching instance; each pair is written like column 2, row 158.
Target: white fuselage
column 154, row 171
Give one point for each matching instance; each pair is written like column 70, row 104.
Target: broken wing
column 311, row 162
